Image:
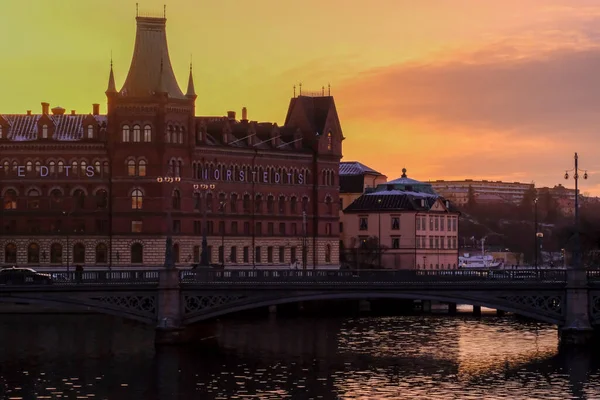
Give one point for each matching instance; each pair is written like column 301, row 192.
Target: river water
column 411, row 357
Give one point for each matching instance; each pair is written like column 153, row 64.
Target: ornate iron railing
column 209, row 276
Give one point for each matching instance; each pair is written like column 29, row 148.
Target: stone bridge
column 174, row 299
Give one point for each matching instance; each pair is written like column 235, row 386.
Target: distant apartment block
column 484, row 190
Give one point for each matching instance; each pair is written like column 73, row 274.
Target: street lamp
column 576, row 170
column 379, row 234
column 539, row 239
column 222, row 207
column 169, row 262
column 535, row 228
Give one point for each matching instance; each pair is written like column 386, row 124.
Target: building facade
column 107, row 190
column 413, row 227
column 491, row 191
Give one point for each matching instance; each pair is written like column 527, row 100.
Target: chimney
column 28, row 112
column 230, row 115
column 45, row 108
column 95, row 109
column 72, row 112
column 244, row 114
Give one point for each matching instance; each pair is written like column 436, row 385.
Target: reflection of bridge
column 173, row 299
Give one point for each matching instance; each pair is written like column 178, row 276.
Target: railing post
column 577, row 329
column 169, row 329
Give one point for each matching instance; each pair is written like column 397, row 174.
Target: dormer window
column 90, row 132
column 44, row 131
column 329, row 141
column 125, row 133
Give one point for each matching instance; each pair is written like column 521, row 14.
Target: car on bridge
column 23, row 276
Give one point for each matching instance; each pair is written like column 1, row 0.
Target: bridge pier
column 169, row 329
column 477, row 311
column 577, row 329
column 452, row 308
column 426, row 306
column 500, row 313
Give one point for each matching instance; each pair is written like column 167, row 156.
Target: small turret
column 112, row 88
column 191, row 91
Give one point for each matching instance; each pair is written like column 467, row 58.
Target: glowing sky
column 448, row 89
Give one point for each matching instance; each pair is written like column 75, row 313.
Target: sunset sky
column 449, row 89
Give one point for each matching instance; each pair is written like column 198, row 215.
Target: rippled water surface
column 432, row 357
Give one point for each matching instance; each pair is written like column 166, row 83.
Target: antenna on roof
column 322, row 90
column 137, row 10
column 294, row 90
column 165, row 11
column 111, row 58
column 328, row 89
column 300, row 84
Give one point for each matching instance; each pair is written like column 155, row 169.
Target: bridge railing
column 374, row 276
column 593, row 275
column 105, row 277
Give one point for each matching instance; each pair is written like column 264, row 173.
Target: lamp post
column 204, row 253
column 169, row 262
column 379, row 234
column 222, row 207
column 539, row 238
column 535, row 237
column 576, row 170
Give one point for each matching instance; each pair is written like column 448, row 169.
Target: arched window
column 258, row 204
column 101, row 199
column 10, row 199
column 305, row 204
column 14, row 166
column 97, row 167
column 179, row 170
column 176, row 200
column 56, row 253
column 329, row 141
column 222, row 202
column 180, row 135
column 281, row 205
column 176, row 253
column 61, row 167
column 136, row 199
column 29, row 166
column 293, row 205
column 142, row 168
column 329, row 206
column 137, row 133
column 209, row 202
column 83, row 168
column 147, row 133
column 90, row 132
column 137, row 253
column 170, row 134
column 131, row 168
column 10, row 253
column 79, row 253
column 74, row 168
column 328, row 253
column 246, row 204
column 33, row 200
column 197, row 201
column 52, row 167
column 270, row 204
column 233, row 203
column 101, row 253
column 6, row 167
column 44, row 131
column 125, row 133
column 33, row 253
column 38, row 165
column 55, row 199
column 79, row 198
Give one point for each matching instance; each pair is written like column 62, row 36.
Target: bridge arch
column 224, row 305
column 139, row 308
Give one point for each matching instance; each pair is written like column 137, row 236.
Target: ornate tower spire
column 191, row 91
column 112, row 88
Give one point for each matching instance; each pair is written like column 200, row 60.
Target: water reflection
column 433, row 357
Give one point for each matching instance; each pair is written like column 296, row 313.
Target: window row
column 134, row 134
column 268, row 254
column 437, row 223
column 58, row 255
column 437, row 242
column 44, row 132
column 327, row 177
column 363, row 223
column 55, row 200
column 437, row 266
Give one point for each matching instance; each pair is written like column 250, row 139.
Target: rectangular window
column 293, row 257
column 33, row 226
column 270, row 254
column 233, row 255
column 258, row 230
column 363, row 223
column 395, row 223
column 257, row 254
column 234, row 229
column 437, row 224
column 101, row 226
column 270, row 229
column 221, row 227
column 209, row 253
column 430, row 223
column 341, row 227
column 246, row 228
column 209, row 227
column 442, row 238
column 423, row 242
column 442, row 223
column 418, row 223
column 418, row 242
column 328, row 229
column 449, row 223
column 246, row 254
column 424, row 223
column 431, row 242
column 197, row 227
column 454, row 243
column 281, row 254
column 395, row 243
column 282, row 228
column 294, row 229
column 454, row 220
column 176, row 226
column 437, row 242
column 221, row 254
column 136, row 226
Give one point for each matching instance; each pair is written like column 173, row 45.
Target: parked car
column 23, row 276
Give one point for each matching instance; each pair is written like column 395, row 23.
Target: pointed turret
column 149, row 53
column 112, row 88
column 191, row 91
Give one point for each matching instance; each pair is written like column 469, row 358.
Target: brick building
column 91, row 188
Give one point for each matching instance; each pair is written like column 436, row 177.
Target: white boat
column 478, row 261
